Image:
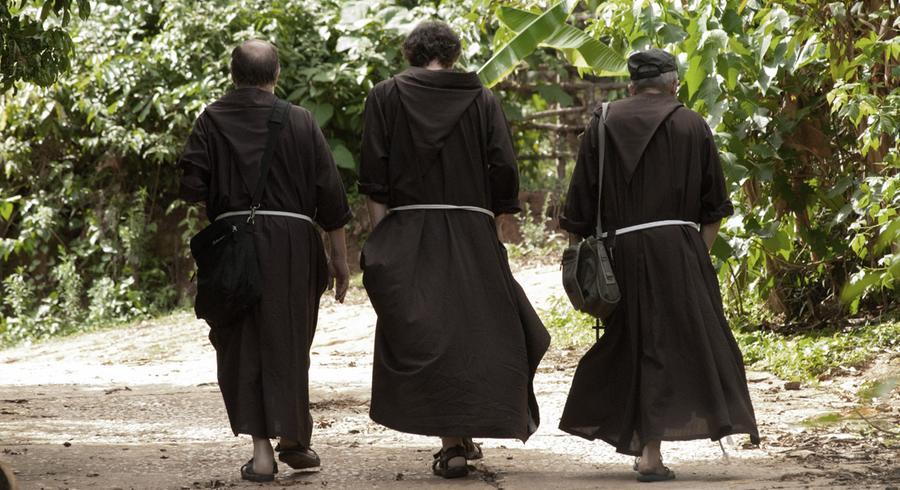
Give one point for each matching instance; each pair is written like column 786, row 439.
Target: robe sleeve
column 373, row 166
column 580, row 213
column 503, row 171
column 195, row 165
column 332, row 208
column 714, row 201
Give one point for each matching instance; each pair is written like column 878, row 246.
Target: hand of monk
column 710, row 232
column 337, row 264
column 341, row 274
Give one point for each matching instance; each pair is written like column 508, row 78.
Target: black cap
column 651, row 63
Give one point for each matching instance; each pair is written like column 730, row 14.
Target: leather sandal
column 248, row 474
column 441, row 464
column 651, row 477
column 473, row 449
column 298, row 457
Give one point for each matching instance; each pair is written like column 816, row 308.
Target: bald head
column 255, row 64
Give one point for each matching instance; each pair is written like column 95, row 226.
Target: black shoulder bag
column 588, row 276
column 228, row 278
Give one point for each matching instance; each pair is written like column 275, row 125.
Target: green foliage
column 874, row 390
column 527, row 33
column 803, row 357
column 802, row 97
column 37, row 315
column 829, row 418
column 580, row 49
column 804, row 102
column 810, row 355
column 70, row 287
column 88, row 174
column 539, row 243
column 568, row 328
column 113, row 303
column 19, row 300
column 33, row 316
column 31, row 47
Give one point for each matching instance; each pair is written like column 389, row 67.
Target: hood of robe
column 241, row 118
column 434, row 102
column 632, row 122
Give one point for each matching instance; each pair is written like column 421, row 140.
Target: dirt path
column 138, row 407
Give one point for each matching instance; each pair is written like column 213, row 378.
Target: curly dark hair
column 432, row 40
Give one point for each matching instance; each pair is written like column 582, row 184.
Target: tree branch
column 556, row 112
column 559, row 128
column 530, row 88
column 546, row 157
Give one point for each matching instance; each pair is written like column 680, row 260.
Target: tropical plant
column 529, row 30
column 803, row 98
column 30, row 49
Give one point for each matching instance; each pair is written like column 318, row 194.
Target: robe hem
column 428, row 430
column 272, row 435
column 754, row 438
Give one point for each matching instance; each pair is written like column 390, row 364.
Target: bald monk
column 263, row 358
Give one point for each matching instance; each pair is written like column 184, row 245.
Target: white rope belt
column 265, row 213
column 656, row 224
column 414, row 207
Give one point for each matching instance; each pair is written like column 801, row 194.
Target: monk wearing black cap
column 667, row 367
column 457, row 343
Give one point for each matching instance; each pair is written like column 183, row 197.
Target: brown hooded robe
column 667, row 367
column 457, row 343
column 263, row 359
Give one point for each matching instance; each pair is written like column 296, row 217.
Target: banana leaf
column 580, row 48
column 524, row 43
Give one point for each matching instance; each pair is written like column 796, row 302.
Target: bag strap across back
column 275, row 123
column 601, row 149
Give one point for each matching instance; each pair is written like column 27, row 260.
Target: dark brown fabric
column 668, row 367
column 457, row 343
column 263, row 360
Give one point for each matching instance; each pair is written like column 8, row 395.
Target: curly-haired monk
column 457, row 342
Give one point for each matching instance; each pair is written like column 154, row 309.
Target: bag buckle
column 252, row 218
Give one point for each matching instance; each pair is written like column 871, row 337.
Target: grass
column 568, row 328
column 540, row 244
column 150, row 321
column 829, row 418
column 864, row 417
column 875, row 389
column 816, row 355
column 805, row 356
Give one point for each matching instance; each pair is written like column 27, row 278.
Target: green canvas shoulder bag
column 588, row 276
